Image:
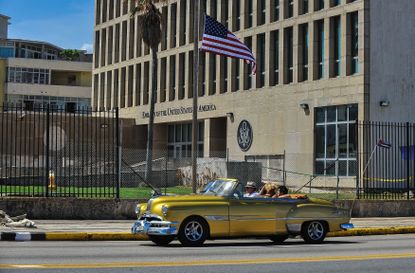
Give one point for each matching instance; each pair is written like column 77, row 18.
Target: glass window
column 335, row 140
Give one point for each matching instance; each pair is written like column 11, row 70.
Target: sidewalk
column 120, row 229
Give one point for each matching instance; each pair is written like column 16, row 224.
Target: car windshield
column 219, row 188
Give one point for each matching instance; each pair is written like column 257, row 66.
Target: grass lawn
column 146, row 192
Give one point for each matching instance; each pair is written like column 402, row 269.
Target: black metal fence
column 386, row 160
column 50, row 152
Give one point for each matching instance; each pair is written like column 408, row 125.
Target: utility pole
column 196, row 14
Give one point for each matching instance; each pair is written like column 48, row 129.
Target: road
column 393, row 253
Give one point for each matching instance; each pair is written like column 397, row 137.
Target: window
column 237, row 14
column 162, row 79
column 138, row 83
column 335, row 47
column 275, row 10
column 181, row 76
column 289, row 8
column 354, row 43
column 179, row 137
column 212, row 74
column 248, row 82
column 235, row 74
column 303, row 52
column 261, row 12
column 274, row 58
column 183, row 26
column 288, row 54
column 303, row 6
column 335, row 140
column 249, row 13
column 223, row 74
column 172, row 78
column 225, row 13
column 173, row 26
column 261, row 61
column 72, row 80
column 28, row 75
column 334, row 3
column 319, row 49
column 318, row 5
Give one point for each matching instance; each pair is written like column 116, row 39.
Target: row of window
column 279, row 50
column 68, row 104
column 122, row 40
column 28, row 75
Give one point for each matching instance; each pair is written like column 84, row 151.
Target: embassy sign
column 244, row 135
column 180, row 111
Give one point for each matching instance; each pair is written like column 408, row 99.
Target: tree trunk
column 153, row 95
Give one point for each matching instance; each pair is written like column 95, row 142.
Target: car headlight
column 164, row 210
column 138, row 209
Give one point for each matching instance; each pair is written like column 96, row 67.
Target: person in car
column 268, row 190
column 282, row 191
column 250, row 189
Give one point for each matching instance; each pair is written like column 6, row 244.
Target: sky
column 66, row 23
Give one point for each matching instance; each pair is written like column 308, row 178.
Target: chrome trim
column 217, row 218
column 294, row 228
column 347, row 226
column 154, row 227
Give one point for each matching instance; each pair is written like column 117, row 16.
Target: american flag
column 218, row 40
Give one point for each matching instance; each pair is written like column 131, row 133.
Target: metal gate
column 47, row 151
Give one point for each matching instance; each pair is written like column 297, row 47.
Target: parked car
column 221, row 211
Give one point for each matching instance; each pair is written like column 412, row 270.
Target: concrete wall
column 71, row 208
column 392, row 60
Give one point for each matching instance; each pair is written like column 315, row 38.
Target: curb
column 126, row 236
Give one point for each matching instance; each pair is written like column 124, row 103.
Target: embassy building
column 321, row 66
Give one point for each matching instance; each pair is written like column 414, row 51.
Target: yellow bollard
column 52, row 184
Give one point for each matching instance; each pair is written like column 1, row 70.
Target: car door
column 252, row 216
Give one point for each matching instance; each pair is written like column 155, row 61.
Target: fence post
column 407, row 161
column 118, row 159
column 47, row 150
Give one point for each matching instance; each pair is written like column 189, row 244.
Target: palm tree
column 149, row 27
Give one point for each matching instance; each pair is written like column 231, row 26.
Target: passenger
column 281, row 192
column 250, row 189
column 268, row 190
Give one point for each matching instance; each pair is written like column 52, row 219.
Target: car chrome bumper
column 154, row 227
column 347, row 226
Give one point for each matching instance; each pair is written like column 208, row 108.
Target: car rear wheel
column 193, row 232
column 161, row 240
column 278, row 239
column 314, row 232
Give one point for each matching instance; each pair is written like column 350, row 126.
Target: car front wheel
column 314, row 232
column 193, row 232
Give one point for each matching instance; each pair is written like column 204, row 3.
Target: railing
column 386, row 165
column 49, row 152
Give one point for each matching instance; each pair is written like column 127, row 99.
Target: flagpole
column 196, row 14
column 368, row 161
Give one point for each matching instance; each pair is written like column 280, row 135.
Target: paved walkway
column 125, row 225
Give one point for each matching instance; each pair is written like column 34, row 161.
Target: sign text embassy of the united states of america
column 180, row 111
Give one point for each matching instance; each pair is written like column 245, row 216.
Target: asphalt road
column 392, row 253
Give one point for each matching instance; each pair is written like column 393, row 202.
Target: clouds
column 87, row 47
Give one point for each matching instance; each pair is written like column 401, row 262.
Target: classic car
column 221, row 211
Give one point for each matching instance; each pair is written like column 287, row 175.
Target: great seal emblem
column 244, row 135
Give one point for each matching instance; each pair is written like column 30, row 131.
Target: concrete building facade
column 322, row 65
column 32, row 74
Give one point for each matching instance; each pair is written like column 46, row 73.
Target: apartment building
column 32, row 74
column 321, row 65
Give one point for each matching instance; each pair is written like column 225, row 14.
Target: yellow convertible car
column 221, row 211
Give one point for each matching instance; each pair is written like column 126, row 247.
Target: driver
column 250, row 189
